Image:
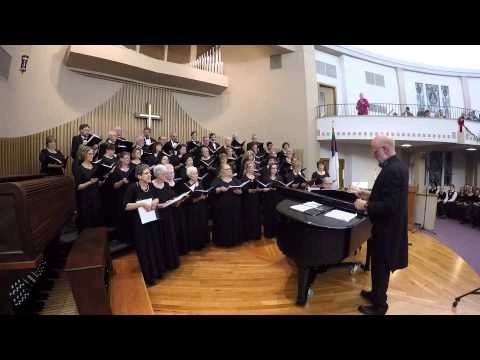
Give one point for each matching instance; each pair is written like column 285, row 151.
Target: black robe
column 251, row 212
column 227, row 215
column 179, row 219
column 46, row 158
column 207, row 170
column 166, row 226
column 147, row 237
column 318, row 179
column 107, row 195
column 196, row 214
column 387, row 210
column 270, row 200
column 89, row 204
column 122, row 220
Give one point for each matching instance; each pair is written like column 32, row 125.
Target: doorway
column 327, row 100
column 341, row 170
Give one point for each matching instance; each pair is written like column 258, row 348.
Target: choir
column 230, row 192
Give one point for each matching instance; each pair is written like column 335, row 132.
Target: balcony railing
column 210, row 61
column 393, row 110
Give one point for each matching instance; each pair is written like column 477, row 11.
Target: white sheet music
column 300, row 207
column 146, row 216
column 341, row 215
column 174, row 200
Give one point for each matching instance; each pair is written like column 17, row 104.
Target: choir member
column 147, row 137
column 441, row 201
column 157, row 153
column 136, row 156
column 206, row 166
column 80, row 139
column 122, row 176
column 112, row 139
column 319, row 174
column 452, row 198
column 271, row 161
column 87, row 190
column 472, row 206
column 52, row 161
column 297, row 175
column 286, row 165
column 282, row 154
column 227, row 209
column 476, row 209
column 147, row 237
column 254, row 141
column 196, row 208
column 270, row 200
column 166, row 224
column 164, row 159
column 178, row 210
column 119, row 133
column 462, row 208
column 233, row 161
column 270, row 151
column 213, row 145
column 193, row 145
column 237, row 146
column 178, row 160
column 106, row 191
column 162, row 140
column 248, row 156
column 182, row 172
column 251, row 204
column 171, row 146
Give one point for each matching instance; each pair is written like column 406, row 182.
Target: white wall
column 277, row 105
column 356, row 82
column 326, row 80
column 454, row 85
column 359, row 163
column 47, row 94
column 474, row 90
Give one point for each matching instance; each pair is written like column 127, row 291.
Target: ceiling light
column 406, row 145
column 471, row 149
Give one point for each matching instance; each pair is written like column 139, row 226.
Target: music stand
column 457, row 299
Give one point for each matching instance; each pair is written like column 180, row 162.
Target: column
column 402, row 97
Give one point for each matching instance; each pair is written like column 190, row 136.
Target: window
column 374, row 79
column 326, row 69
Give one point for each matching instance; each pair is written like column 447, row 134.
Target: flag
column 333, row 163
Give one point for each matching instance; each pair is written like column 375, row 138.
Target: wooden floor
column 256, row 278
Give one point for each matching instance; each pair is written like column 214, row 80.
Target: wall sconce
column 23, row 65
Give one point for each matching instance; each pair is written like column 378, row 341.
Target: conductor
column 386, row 206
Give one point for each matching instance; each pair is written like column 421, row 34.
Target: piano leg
column 306, row 276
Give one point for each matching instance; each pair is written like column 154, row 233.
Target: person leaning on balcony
column 407, row 112
column 362, row 105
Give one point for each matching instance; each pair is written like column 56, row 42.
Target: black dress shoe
column 372, row 310
column 367, row 295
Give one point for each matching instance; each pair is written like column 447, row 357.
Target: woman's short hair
column 83, row 149
column 192, row 133
column 111, row 147
column 247, row 163
column 285, row 143
column 320, row 162
column 139, row 169
column 83, row 126
column 123, row 154
column 159, row 170
column 191, row 170
column 50, row 139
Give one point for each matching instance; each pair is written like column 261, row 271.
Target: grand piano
column 33, row 211
column 317, row 242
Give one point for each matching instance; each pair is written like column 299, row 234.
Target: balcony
column 402, row 122
column 123, row 64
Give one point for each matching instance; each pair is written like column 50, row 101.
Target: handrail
column 394, row 110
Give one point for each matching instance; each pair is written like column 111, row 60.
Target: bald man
column 386, row 207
